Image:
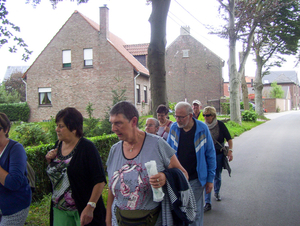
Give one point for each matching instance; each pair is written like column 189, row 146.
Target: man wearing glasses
column 197, row 114
column 195, row 151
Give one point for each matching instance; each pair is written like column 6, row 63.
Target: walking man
column 195, row 150
column 197, row 114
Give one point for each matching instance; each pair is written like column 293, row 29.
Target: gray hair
column 155, row 121
column 127, row 109
column 186, row 105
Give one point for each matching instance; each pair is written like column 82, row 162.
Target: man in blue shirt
column 195, row 150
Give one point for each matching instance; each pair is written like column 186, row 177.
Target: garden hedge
column 36, row 158
column 16, row 111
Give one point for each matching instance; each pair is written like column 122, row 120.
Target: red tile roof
column 137, row 49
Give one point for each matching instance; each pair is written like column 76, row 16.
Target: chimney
column 104, row 24
column 185, row 30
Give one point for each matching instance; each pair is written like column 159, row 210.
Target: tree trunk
column 258, row 86
column 156, row 53
column 234, row 80
column 244, row 84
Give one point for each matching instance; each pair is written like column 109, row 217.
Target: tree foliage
column 8, row 98
column 276, row 91
column 7, row 32
column 14, row 85
column 274, row 38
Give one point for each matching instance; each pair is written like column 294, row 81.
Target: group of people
column 187, row 151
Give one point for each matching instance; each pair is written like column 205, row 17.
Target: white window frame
column 88, row 57
column 66, row 55
column 45, row 95
column 185, row 53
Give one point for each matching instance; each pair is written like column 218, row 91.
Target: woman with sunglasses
column 219, row 132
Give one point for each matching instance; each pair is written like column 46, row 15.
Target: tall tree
column 275, row 38
column 156, row 52
column 241, row 24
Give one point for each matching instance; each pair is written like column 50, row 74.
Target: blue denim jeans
column 217, row 180
column 198, row 193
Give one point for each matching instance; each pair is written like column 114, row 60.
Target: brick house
column 83, row 63
column 249, row 82
column 193, row 71
column 290, row 85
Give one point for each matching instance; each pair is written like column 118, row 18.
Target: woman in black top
column 219, row 132
column 76, row 172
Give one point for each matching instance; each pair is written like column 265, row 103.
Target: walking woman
column 76, row 172
column 219, row 132
column 15, row 192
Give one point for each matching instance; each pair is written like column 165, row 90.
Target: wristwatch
column 92, row 204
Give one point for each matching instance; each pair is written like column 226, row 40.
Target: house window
column 88, row 57
column 44, row 96
column 145, row 94
column 185, row 53
column 66, row 58
column 138, row 94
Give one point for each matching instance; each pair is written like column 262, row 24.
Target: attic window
column 88, row 57
column 66, row 58
column 45, row 96
column 185, row 53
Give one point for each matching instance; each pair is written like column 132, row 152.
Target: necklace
column 164, row 123
column 131, row 148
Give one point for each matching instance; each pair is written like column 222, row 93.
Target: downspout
column 135, row 97
column 25, row 89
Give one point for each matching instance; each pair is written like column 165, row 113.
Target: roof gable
column 191, row 37
column 281, row 77
column 119, row 45
column 115, row 41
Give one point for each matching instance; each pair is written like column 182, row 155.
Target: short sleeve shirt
column 128, row 178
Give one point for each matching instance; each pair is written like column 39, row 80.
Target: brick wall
column 198, row 76
column 78, row 86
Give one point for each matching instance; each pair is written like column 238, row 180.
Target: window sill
column 66, row 68
column 45, row 105
column 86, row 67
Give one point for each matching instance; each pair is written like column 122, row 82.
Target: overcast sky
column 128, row 19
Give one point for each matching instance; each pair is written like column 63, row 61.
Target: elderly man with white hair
column 195, row 150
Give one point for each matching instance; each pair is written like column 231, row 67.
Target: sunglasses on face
column 208, row 115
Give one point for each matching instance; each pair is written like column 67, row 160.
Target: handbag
column 224, row 148
column 137, row 217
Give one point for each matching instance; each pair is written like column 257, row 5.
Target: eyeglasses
column 208, row 115
column 180, row 117
column 149, row 125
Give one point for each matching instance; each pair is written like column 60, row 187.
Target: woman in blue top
column 15, row 192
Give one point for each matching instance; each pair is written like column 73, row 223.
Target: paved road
column 265, row 185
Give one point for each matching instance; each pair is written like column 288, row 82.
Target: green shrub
column 51, row 130
column 16, row 111
column 30, row 134
column 249, row 116
column 225, row 108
